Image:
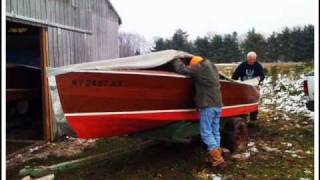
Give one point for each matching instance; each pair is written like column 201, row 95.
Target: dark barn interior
column 23, row 83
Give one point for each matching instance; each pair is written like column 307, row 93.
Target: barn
column 50, row 33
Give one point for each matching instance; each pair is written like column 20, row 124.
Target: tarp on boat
column 147, row 61
column 150, row 60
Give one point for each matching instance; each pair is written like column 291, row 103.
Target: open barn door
column 27, row 98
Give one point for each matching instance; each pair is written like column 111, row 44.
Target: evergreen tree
column 290, row 44
column 255, row 42
column 284, row 44
column 180, row 41
column 308, row 42
column 216, row 50
column 231, row 50
column 161, row 44
column 202, row 47
column 272, row 50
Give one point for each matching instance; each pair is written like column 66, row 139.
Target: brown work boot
column 217, row 159
column 225, row 153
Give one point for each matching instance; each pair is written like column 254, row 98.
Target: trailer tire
column 235, row 134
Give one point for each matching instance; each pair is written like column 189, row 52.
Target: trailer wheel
column 235, row 134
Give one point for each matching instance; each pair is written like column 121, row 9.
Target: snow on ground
column 284, row 93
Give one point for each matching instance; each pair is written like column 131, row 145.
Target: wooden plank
column 50, row 46
column 32, row 8
column 38, row 9
column 46, row 101
column 57, row 12
column 8, row 5
column 69, row 47
column 40, row 4
column 81, row 47
column 75, row 47
column 78, row 17
column 72, row 16
column 63, row 47
column 43, row 12
column 51, row 9
column 85, row 52
column 18, row 10
column 14, row 6
column 59, row 49
column 48, row 10
column 63, row 14
column 55, row 47
column 66, row 51
column 20, row 7
column 27, row 8
column 99, row 36
column 78, row 56
column 68, row 13
column 74, row 57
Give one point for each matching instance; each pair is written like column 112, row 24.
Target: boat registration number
column 96, row 83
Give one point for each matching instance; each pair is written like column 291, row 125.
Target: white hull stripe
column 150, row 111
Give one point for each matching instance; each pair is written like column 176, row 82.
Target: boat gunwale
column 155, row 73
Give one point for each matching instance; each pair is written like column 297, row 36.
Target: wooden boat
column 110, row 103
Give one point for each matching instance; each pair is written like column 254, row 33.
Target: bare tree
column 133, row 44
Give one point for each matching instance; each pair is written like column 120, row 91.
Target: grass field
column 281, row 144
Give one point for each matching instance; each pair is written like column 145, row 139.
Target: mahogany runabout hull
column 111, row 103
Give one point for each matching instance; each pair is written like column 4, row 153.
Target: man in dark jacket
column 248, row 70
column 208, row 100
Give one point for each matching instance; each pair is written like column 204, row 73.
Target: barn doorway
column 26, row 101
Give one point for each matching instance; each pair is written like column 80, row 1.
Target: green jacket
column 206, row 80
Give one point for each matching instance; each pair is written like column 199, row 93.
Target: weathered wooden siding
column 78, row 30
column 68, row 13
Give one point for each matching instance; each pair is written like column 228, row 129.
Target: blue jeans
column 210, row 126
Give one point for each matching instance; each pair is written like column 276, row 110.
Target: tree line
column 291, row 44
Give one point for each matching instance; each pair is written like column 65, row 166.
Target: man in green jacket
column 209, row 102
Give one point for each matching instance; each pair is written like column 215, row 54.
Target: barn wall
column 70, row 13
column 105, row 25
column 78, row 30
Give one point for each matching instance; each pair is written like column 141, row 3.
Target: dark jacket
column 206, row 80
column 246, row 71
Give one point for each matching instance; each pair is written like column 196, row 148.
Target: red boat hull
column 105, row 104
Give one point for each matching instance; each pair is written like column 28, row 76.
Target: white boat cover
column 150, row 60
column 146, row 61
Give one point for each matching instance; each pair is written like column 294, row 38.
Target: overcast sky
column 160, row 18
